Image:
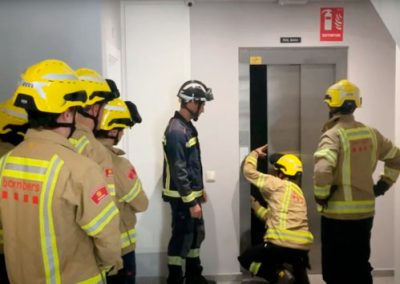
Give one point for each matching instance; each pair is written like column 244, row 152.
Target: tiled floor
column 314, row 279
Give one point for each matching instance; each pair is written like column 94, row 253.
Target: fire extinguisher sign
column 332, row 24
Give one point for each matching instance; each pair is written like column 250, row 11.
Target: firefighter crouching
column 60, row 224
column 118, row 116
column 283, row 258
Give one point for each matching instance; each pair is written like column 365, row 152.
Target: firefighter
column 13, row 126
column 117, row 116
column 183, row 184
column 344, row 188
column 87, row 120
column 60, row 223
column 283, row 258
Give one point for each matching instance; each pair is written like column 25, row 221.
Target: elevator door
column 295, row 115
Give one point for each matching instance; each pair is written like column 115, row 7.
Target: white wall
column 217, row 31
column 397, row 193
column 157, row 54
column 389, row 12
column 31, row 31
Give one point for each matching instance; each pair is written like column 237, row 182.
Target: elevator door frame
column 336, row 56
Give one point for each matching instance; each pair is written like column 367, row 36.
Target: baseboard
column 162, row 280
column 383, row 273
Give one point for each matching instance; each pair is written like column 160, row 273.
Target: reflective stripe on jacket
column 182, row 172
column 346, row 158
column 130, row 195
column 4, row 149
column 86, row 144
column 287, row 223
column 60, row 225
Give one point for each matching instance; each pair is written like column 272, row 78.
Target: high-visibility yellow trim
column 25, row 168
column 80, row 144
column 133, row 193
column 255, row 267
column 175, row 260
column 261, row 181
column 350, row 207
column 374, row 147
column 128, row 238
column 193, row 253
column 391, row 173
column 192, row 141
column 322, row 191
column 328, row 154
column 262, row 213
column 98, row 279
column 346, row 166
column 101, row 220
column 47, row 231
column 391, row 154
column 111, row 189
column 285, row 207
column 252, row 160
column 27, row 161
column 298, row 237
column 167, row 174
column 175, row 194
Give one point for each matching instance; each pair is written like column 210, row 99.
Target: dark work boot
column 175, row 275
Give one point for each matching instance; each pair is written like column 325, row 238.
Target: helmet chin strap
column 70, row 125
column 195, row 115
column 92, row 117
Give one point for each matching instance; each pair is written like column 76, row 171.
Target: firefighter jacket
column 86, row 144
column 60, row 223
column 287, row 223
column 344, row 162
column 5, row 147
column 129, row 195
column 183, row 173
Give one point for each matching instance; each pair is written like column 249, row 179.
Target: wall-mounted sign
column 290, row 39
column 331, row 24
column 255, row 60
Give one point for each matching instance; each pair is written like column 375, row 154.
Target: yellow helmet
column 11, row 116
column 342, row 91
column 95, row 86
column 49, row 86
column 289, row 164
column 119, row 114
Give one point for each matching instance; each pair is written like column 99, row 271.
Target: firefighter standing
column 13, row 126
column 117, row 116
column 344, row 189
column 87, row 119
column 284, row 255
column 60, row 224
column 183, row 185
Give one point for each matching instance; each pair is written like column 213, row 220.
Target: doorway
column 281, row 103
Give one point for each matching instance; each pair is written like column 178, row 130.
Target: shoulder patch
column 108, row 172
column 99, row 194
column 132, row 173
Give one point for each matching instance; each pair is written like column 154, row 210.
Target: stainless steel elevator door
column 295, row 116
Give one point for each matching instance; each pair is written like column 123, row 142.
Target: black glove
column 381, row 187
column 322, row 202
